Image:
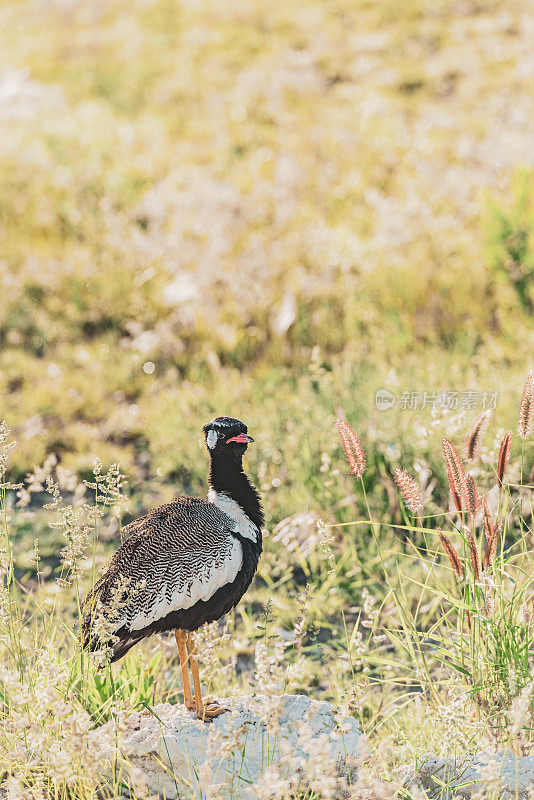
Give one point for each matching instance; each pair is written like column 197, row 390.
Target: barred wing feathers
column 176, row 555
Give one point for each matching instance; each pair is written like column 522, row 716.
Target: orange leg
column 203, row 712
column 181, row 638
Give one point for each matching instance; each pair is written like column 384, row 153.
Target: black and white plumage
column 186, row 562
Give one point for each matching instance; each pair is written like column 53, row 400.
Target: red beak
column 241, row 438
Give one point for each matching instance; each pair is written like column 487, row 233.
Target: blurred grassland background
column 270, row 210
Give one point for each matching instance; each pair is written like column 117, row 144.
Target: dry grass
column 462, row 643
column 271, row 211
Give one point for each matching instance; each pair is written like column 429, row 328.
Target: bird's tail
column 116, row 650
column 121, row 647
column 93, row 640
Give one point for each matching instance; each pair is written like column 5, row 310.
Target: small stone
column 504, row 776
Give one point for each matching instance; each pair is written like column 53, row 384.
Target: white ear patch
column 211, row 438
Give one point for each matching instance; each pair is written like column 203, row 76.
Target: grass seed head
column 410, row 490
column 473, row 553
column 526, row 407
column 489, row 604
column 457, row 499
column 489, row 589
column 352, row 447
column 476, row 432
column 504, row 456
column 472, row 498
column 456, row 471
column 491, row 545
column 489, row 527
column 452, row 555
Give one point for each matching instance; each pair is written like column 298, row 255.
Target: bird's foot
column 190, row 703
column 210, row 711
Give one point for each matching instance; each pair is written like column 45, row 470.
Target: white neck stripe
column 242, row 523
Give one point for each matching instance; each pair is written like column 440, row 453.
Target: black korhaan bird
column 183, row 564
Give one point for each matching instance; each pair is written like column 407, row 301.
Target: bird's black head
column 227, row 436
column 227, row 440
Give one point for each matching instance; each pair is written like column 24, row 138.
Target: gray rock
column 179, row 756
column 503, row 775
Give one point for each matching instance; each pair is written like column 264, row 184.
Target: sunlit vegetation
column 270, row 210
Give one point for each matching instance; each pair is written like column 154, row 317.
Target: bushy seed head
column 473, row 553
column 491, row 545
column 489, row 527
column 456, row 471
column 472, row 498
column 455, row 496
column 410, row 490
column 526, row 408
column 451, row 554
column 504, row 456
column 476, row 432
column 353, row 447
column 489, row 606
